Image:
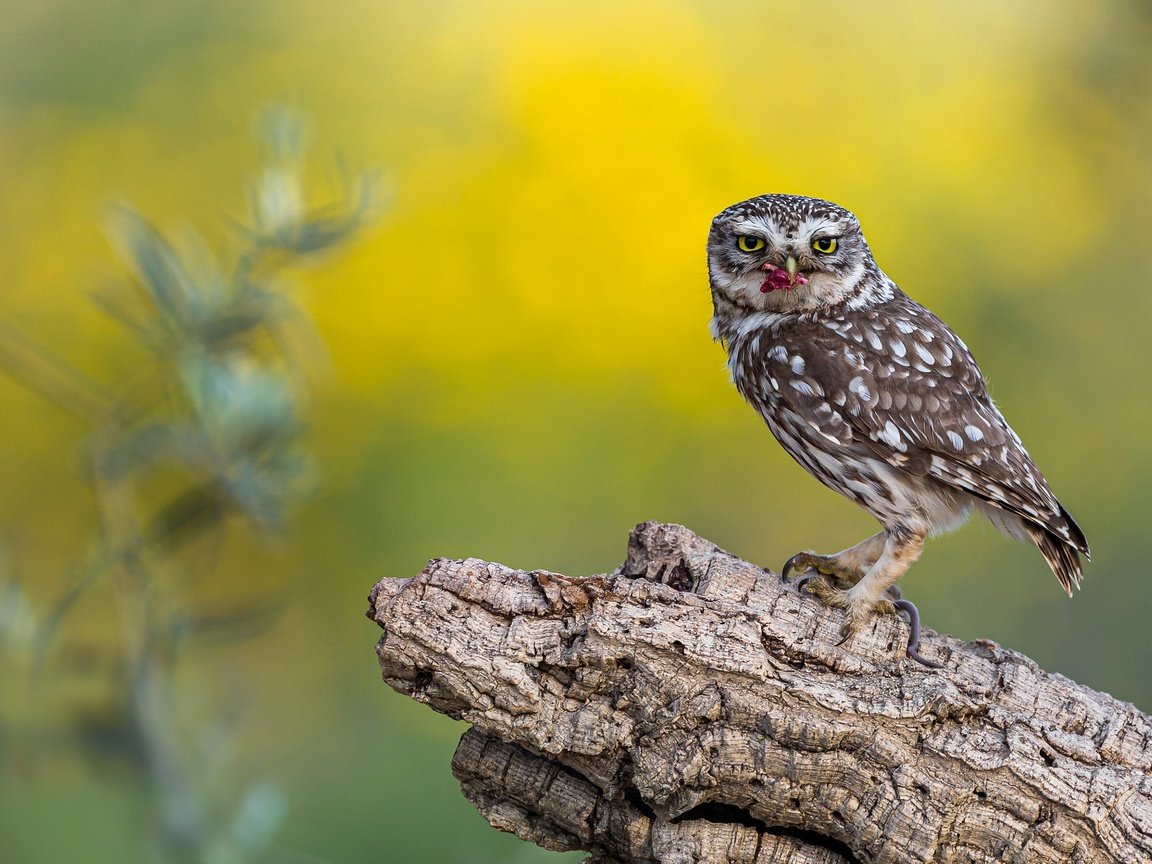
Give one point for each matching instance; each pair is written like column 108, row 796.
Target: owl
column 874, row 395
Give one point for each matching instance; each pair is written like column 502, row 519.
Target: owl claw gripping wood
column 875, row 396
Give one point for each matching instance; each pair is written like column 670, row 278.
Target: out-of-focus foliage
column 519, row 365
column 219, row 400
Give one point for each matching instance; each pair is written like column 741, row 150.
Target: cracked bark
column 690, row 707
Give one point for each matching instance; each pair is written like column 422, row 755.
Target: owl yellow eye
column 750, row 244
column 824, row 245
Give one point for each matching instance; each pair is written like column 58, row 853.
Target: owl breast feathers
column 869, row 391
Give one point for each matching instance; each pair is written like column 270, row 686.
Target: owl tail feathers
column 1078, row 539
column 1062, row 556
column 1058, row 538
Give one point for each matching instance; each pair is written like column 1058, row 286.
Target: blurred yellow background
column 518, row 365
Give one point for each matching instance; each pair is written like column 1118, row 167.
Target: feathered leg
column 869, row 594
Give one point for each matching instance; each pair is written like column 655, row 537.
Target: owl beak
column 791, row 265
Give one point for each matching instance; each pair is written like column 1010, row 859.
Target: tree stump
column 693, row 707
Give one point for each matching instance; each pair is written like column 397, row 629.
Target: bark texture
column 692, row 707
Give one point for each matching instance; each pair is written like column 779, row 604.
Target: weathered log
column 692, row 707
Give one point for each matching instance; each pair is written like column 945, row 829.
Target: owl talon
column 909, row 609
column 824, row 565
column 798, row 563
column 824, row 588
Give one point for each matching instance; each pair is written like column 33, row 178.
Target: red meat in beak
column 783, row 279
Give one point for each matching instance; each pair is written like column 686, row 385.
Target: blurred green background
column 518, row 366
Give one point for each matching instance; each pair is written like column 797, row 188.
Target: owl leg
column 845, row 568
column 873, row 593
column 902, row 546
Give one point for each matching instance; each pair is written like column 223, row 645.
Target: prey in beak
column 783, row 279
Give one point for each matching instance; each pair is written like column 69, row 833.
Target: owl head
column 785, row 253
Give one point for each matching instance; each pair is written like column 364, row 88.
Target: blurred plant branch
column 223, row 403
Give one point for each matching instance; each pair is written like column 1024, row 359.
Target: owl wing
column 898, row 381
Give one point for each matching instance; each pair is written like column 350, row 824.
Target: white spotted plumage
column 871, row 392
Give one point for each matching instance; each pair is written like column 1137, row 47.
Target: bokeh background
column 518, row 365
